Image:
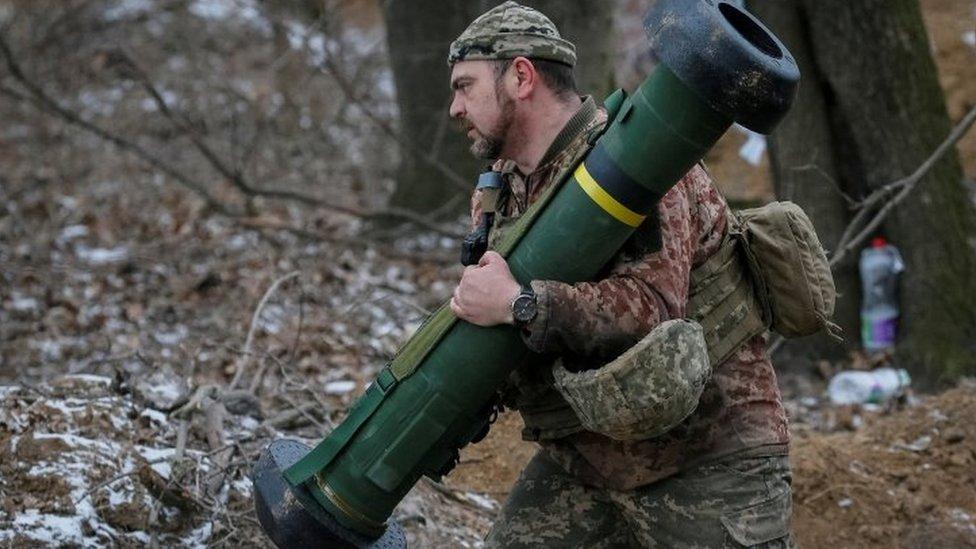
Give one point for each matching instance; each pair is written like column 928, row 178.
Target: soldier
column 721, row 477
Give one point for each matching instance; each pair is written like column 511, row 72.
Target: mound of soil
column 904, row 479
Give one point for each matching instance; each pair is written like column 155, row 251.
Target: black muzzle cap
column 292, row 518
column 727, row 56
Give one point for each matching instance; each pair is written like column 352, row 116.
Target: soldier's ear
column 526, row 77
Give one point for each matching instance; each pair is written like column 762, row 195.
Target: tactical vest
column 722, row 298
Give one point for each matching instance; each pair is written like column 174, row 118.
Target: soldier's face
column 483, row 108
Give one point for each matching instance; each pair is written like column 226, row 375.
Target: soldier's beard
column 489, row 145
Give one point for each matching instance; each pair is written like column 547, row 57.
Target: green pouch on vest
column 790, row 268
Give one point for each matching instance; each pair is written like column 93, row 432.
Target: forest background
column 220, row 218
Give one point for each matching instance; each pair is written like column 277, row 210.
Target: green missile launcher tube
column 718, row 65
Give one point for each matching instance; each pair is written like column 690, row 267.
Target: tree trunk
column 886, row 114
column 418, row 35
column 805, row 171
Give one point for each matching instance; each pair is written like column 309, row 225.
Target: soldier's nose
column 457, row 109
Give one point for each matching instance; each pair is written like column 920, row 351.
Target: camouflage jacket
column 588, row 324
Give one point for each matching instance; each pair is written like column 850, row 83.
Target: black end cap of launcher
column 292, row 518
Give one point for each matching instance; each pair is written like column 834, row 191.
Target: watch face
column 523, row 308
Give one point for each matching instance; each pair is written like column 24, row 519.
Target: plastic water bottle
column 872, row 387
column 880, row 265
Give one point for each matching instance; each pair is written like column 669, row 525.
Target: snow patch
column 170, row 338
column 125, row 8
column 102, row 256
column 90, row 379
column 339, row 387
column 44, row 528
column 238, row 11
column 24, row 304
column 71, row 233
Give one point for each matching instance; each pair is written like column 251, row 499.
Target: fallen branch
column 215, row 412
column 165, row 490
column 287, row 419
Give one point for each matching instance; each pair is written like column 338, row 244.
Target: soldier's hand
column 484, row 295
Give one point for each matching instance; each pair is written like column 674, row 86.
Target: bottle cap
column 879, row 242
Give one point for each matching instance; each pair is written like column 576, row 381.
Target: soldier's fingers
column 456, row 308
column 490, row 257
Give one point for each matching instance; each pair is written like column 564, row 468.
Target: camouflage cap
column 645, row 392
column 508, row 31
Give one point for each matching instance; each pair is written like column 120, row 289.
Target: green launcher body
column 414, row 417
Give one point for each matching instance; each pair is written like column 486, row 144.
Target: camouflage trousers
column 731, row 502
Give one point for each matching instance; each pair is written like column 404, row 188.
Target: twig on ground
column 456, row 495
column 215, row 413
column 829, row 489
column 301, row 323
column 323, row 429
column 286, row 418
column 195, row 402
column 244, row 359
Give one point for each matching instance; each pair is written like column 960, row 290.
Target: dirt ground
column 901, row 479
column 905, row 480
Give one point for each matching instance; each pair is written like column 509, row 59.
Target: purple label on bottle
column 882, row 333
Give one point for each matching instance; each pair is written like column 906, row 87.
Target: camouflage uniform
column 721, row 477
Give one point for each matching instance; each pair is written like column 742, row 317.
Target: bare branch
column 329, row 65
column 890, row 195
column 833, row 182
column 239, row 181
column 40, row 98
column 895, row 192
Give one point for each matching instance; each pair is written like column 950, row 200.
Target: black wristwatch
column 524, row 306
